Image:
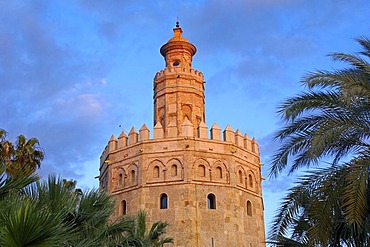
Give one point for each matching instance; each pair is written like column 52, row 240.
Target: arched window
column 211, row 201
column 240, row 177
column 133, row 176
column 250, row 179
column 120, row 179
column 201, row 171
column 156, row 172
column 163, row 201
column 249, row 208
column 219, row 172
column 123, row 207
column 174, row 170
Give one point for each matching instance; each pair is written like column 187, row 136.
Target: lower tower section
column 209, row 190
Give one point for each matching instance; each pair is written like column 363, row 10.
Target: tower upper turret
column 178, row 51
column 178, row 89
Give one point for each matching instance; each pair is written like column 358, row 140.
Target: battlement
column 227, row 136
column 176, row 71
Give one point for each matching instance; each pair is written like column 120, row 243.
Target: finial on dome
column 172, row 44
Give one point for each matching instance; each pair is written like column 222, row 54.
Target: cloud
column 51, row 88
column 72, row 71
column 83, row 106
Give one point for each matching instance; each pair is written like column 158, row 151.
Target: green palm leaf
column 24, row 223
column 331, row 121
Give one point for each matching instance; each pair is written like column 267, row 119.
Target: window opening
column 133, row 176
column 163, row 201
column 211, row 201
column 123, row 207
column 249, row 208
column 120, row 179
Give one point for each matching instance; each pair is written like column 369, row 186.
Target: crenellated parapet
column 228, row 135
column 178, row 71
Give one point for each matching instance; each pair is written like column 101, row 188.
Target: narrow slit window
column 163, row 201
column 133, row 176
column 249, row 208
column 120, row 179
column 211, row 201
column 123, row 207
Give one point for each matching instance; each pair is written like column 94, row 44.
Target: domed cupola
column 178, row 51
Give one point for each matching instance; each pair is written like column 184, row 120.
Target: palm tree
column 141, row 237
column 92, row 220
column 54, row 213
column 88, row 213
column 9, row 185
column 2, row 138
column 23, row 158
column 314, row 211
column 24, row 223
column 20, row 225
column 330, row 205
column 4, row 147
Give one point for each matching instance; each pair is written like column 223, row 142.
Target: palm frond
column 24, row 223
column 356, row 191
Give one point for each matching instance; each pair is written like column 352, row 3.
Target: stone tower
column 207, row 187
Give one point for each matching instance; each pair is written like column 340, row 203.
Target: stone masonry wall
column 139, row 170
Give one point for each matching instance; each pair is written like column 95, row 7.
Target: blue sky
column 71, row 71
